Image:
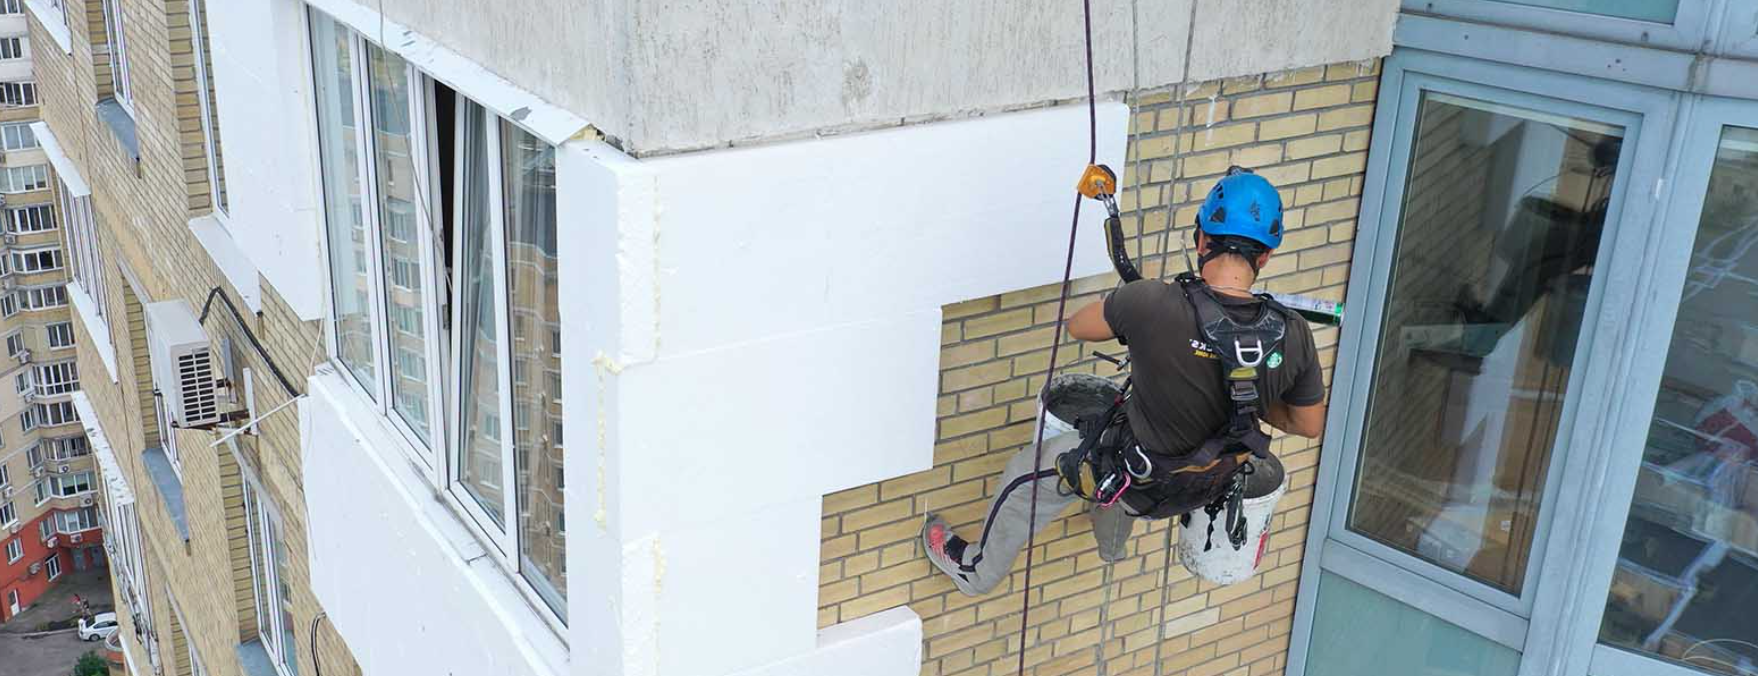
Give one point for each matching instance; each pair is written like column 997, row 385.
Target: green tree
column 90, row 664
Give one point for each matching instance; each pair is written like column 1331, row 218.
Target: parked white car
column 101, row 625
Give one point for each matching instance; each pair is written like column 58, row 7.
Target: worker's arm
column 1089, row 323
column 1306, row 421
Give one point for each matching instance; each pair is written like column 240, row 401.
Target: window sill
column 96, row 328
column 159, row 469
column 354, row 462
column 53, row 23
column 254, row 660
column 233, row 262
column 121, row 124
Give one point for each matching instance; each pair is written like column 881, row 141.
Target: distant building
column 49, row 523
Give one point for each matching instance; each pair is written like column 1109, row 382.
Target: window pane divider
column 503, row 319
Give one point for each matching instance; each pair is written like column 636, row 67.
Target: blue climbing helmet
column 1243, row 204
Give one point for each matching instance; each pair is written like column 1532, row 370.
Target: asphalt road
column 51, row 655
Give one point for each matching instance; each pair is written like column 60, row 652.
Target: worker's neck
column 1229, row 275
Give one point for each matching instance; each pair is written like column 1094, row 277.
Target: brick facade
column 1306, row 130
column 199, row 588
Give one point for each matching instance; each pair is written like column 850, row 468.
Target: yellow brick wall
column 1307, row 131
column 143, row 210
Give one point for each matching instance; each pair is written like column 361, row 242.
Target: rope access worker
column 1192, row 425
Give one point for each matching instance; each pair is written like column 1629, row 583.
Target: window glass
column 479, row 470
column 1658, row 11
column 1352, row 636
column 405, row 285
column 338, row 128
column 1687, row 573
column 1498, row 233
column 210, row 113
column 528, row 175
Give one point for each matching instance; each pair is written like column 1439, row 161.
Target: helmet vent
column 1219, row 215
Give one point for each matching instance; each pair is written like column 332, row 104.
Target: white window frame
column 117, row 46
column 83, row 519
column 59, row 484
column 211, row 147
column 8, row 513
column 28, row 178
column 14, row 550
column 267, row 542
column 12, row 48
column 5, row 475
column 82, row 240
column 12, row 7
column 32, row 218
column 43, row 494
column 54, row 329
column 53, row 565
column 443, row 348
column 56, row 378
column 58, row 447
column 18, row 136
column 32, row 261
column 18, row 94
column 15, row 343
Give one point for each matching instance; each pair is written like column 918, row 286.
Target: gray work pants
column 1010, row 523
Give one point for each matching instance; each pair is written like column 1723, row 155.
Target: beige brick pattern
column 143, row 206
column 1304, row 129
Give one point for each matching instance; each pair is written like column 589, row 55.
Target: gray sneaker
column 945, row 550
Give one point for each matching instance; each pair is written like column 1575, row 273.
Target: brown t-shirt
column 1179, row 398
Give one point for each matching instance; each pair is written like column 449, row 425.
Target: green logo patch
column 1275, row 359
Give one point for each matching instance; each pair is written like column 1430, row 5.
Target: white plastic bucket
column 1221, row 563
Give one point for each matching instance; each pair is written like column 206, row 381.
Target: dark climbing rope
column 1056, row 337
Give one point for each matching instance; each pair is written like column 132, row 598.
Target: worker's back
column 1179, row 398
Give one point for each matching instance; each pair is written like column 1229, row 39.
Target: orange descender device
column 1100, row 183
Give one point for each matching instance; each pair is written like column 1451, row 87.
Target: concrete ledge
column 170, row 485
column 233, row 263
column 53, row 23
column 458, row 611
column 96, row 327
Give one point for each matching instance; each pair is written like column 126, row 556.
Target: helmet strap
column 1220, row 246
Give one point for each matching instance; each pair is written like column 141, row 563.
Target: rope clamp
column 1100, row 183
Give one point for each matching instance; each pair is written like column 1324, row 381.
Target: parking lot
column 51, row 655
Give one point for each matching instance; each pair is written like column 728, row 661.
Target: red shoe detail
column 937, row 539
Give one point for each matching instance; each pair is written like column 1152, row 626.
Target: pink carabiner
column 1119, row 495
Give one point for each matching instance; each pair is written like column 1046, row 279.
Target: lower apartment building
column 49, row 523
column 345, row 275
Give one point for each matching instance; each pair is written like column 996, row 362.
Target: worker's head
column 1242, row 216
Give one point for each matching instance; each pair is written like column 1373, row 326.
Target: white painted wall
column 263, row 83
column 408, row 588
column 766, row 324
column 660, row 79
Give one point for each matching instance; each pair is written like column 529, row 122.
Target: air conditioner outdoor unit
column 183, row 364
column 85, row 502
column 63, row 468
column 52, row 542
column 6, row 492
column 38, row 471
column 36, row 568
column 10, row 239
column 76, row 538
column 23, row 356
column 29, row 396
column 14, row 530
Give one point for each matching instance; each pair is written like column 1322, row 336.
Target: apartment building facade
column 789, row 294
column 48, row 485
